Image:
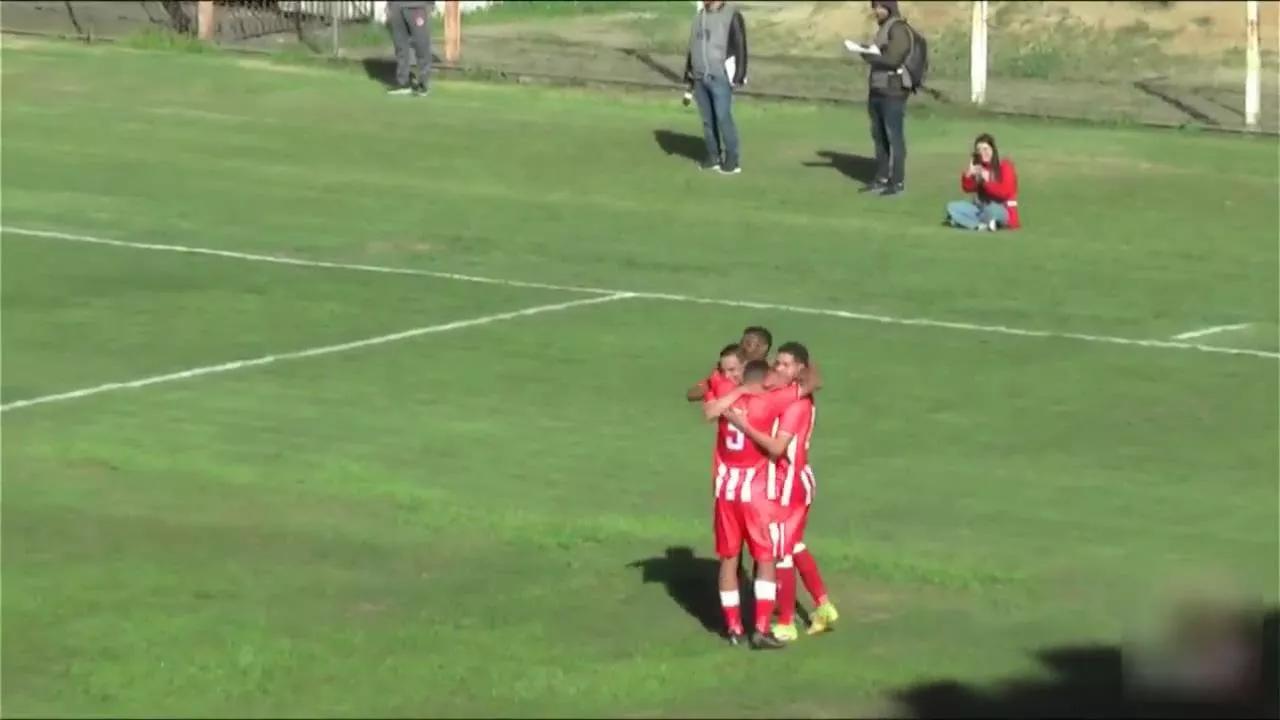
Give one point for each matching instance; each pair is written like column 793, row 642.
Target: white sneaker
column 406, row 90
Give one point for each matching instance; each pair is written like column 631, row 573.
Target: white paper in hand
column 854, row 47
column 730, row 65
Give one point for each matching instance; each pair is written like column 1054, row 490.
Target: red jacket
column 1004, row 191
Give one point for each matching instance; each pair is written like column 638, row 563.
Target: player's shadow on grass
column 383, row 70
column 686, row 146
column 855, row 167
column 1090, row 681
column 689, row 580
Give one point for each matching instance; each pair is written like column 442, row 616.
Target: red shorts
column 790, row 522
column 737, row 522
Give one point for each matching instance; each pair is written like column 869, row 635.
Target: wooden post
column 978, row 54
column 452, row 31
column 1253, row 66
column 204, row 19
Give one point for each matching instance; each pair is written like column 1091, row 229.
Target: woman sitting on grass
column 995, row 183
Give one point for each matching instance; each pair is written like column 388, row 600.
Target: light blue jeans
column 970, row 215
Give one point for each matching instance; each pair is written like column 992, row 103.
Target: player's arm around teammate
column 804, row 384
column 772, row 445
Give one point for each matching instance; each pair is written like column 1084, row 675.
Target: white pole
column 1253, row 66
column 379, row 14
column 978, row 54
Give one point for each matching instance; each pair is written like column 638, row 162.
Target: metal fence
column 1106, row 61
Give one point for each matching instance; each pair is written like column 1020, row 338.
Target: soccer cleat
column 400, row 90
column 824, row 618
column 786, row 633
column 736, row 639
column 765, row 641
column 892, row 190
column 421, row 90
column 730, row 170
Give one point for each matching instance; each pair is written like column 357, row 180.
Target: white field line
column 867, row 317
column 254, row 257
column 311, row 352
column 1209, row 331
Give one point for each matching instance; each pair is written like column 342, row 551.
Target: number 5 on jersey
column 734, row 439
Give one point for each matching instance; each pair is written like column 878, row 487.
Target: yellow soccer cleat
column 823, row 619
column 786, row 633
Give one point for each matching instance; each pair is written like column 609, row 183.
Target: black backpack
column 916, row 66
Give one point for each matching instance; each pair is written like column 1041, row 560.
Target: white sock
column 766, row 590
column 729, row 598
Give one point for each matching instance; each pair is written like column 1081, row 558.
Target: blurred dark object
column 1212, row 664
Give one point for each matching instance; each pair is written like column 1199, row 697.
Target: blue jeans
column 970, row 215
column 715, row 102
column 887, row 115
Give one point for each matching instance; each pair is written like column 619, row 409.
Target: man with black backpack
column 896, row 72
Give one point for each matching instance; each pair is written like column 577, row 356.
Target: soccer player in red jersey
column 721, row 381
column 791, row 483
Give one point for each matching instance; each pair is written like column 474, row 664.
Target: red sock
column 810, row 576
column 766, row 594
column 732, row 611
column 786, row 592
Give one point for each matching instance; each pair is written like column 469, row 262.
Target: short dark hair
column 731, row 349
column 761, row 333
column 796, row 350
column 755, row 370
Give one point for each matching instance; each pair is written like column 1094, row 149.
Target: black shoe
column 727, row 169
column 765, row 641
column 895, row 189
column 709, row 165
column 421, row 90
column 736, row 639
column 874, row 186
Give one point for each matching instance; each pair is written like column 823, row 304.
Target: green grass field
column 476, row 520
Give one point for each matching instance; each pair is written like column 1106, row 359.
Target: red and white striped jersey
column 718, row 385
column 790, row 478
column 738, row 459
column 738, row 484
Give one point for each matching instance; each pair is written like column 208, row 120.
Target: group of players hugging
column 763, row 484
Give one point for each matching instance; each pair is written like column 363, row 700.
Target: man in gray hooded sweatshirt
column 410, row 23
column 717, row 63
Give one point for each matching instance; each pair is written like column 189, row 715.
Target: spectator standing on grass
column 888, row 87
column 715, row 65
column 410, row 23
column 994, row 184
